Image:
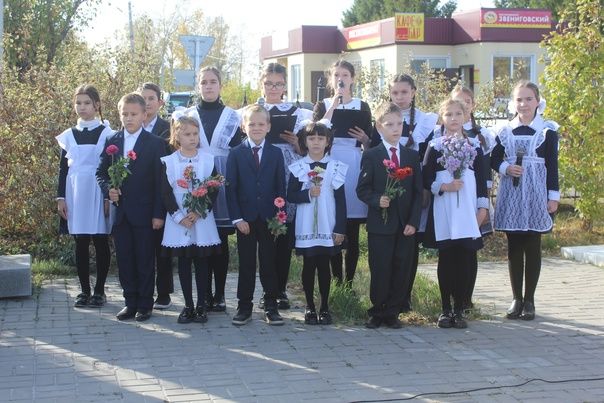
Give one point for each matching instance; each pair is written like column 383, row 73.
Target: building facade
column 478, row 46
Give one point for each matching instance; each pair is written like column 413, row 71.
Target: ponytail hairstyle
column 446, row 104
column 475, row 128
column 175, row 126
column 406, row 78
column 531, row 86
column 273, row 68
column 340, row 64
column 93, row 93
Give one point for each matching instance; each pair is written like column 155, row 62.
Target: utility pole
column 130, row 24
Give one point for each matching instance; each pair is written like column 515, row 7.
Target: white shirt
column 151, row 125
column 130, row 140
column 252, row 145
column 388, row 147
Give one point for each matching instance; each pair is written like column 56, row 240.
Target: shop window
column 378, row 70
column 513, row 67
column 439, row 63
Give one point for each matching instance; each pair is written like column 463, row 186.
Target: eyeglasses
column 269, row 85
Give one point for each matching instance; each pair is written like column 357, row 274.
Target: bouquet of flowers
column 394, row 176
column 118, row 171
column 457, row 155
column 276, row 224
column 315, row 178
column 197, row 199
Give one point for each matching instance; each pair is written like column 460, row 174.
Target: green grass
column 49, row 269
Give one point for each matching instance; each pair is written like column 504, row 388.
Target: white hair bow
column 178, row 112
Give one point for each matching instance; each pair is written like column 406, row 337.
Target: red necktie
column 256, row 156
column 394, row 157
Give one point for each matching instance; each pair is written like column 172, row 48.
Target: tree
column 575, row 102
column 556, row 6
column 363, row 11
column 35, row 30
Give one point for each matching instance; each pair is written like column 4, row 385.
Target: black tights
column 218, row 265
column 201, row 277
column 524, row 260
column 352, row 253
column 321, row 265
column 82, row 258
column 453, row 268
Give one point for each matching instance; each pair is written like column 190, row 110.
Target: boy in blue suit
column 139, row 210
column 255, row 177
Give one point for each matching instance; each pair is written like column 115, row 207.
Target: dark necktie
column 394, row 158
column 256, row 156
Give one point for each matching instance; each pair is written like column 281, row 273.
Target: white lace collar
column 182, row 158
column 88, row 124
column 309, row 160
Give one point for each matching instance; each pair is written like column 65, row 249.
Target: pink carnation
column 213, row 183
column 131, row 155
column 200, row 192
column 282, row 217
column 182, row 183
column 112, row 149
column 279, row 202
column 389, row 164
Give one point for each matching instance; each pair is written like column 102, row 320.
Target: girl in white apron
column 320, row 214
column 459, row 206
column 187, row 235
column 83, row 210
column 486, row 137
column 526, row 157
column 274, row 83
column 347, row 150
column 219, row 131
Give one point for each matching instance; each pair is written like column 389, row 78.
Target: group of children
column 336, row 170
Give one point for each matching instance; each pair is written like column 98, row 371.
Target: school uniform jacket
column 140, row 200
column 251, row 191
column 404, row 209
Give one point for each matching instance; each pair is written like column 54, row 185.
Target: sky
column 251, row 19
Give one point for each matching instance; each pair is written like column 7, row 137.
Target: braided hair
column 405, row 78
column 475, row 130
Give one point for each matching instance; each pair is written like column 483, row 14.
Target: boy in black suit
column 391, row 223
column 255, row 177
column 154, row 124
column 139, row 210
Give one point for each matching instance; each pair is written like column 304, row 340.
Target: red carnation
column 402, row 173
column 200, row 192
column 282, row 217
column 112, row 149
column 279, row 202
column 312, row 174
column 131, row 155
column 182, row 183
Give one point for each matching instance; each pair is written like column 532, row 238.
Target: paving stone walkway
column 50, row 351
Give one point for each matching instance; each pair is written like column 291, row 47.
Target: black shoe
column 515, row 309
column 261, row 304
column 82, row 300
column 126, row 313
column 273, row 318
column 142, row 315
column 162, row 302
column 219, row 304
column 97, row 300
column 310, row 317
column 209, row 302
column 528, row 311
column 445, row 320
column 459, row 322
column 393, row 323
column 325, row 318
column 373, row 323
column 242, row 317
column 200, row 315
column 187, row 315
column 283, row 301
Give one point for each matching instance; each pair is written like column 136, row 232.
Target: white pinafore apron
column 204, row 231
column 333, row 178
column 83, row 196
column 524, row 207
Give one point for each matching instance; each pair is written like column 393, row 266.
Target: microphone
column 519, row 156
column 261, row 101
column 340, row 85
